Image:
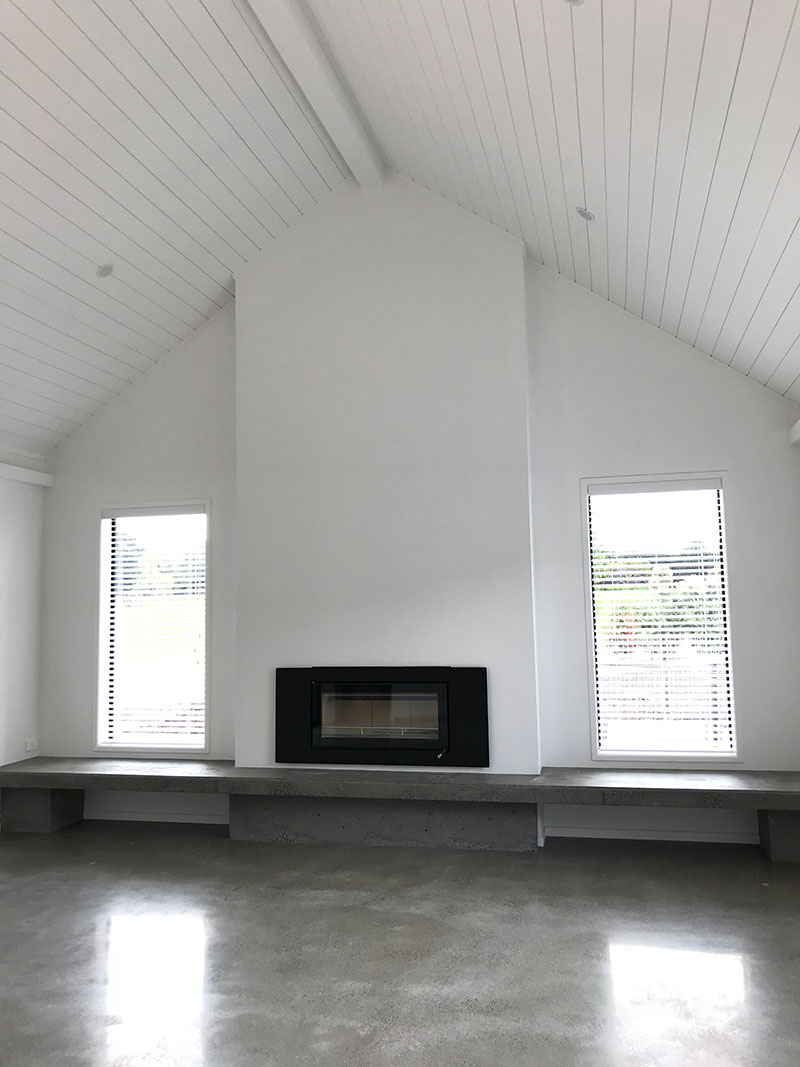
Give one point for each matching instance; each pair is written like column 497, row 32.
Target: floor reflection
column 155, row 989
column 677, row 999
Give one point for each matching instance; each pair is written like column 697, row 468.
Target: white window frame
column 641, row 484
column 172, row 507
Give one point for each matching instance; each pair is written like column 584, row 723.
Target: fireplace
column 413, row 716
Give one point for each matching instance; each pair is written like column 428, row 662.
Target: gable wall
column 381, row 374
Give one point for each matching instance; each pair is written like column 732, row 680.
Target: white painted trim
column 794, row 434
column 298, row 45
column 23, row 474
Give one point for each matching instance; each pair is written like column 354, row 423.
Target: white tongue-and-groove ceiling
column 165, row 138
column 169, row 138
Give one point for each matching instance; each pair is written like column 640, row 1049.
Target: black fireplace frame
column 466, row 736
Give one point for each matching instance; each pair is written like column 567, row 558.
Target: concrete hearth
column 348, row 821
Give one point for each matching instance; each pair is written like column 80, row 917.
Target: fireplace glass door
column 380, row 715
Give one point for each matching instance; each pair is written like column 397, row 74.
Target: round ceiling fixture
column 582, row 211
column 105, row 269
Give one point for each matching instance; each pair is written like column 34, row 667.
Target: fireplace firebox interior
column 382, row 715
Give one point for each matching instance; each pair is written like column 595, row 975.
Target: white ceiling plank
column 39, row 153
column 777, row 347
column 214, row 258
column 72, row 220
column 289, row 31
column 262, row 189
column 651, row 46
column 54, row 236
column 728, row 27
column 688, row 37
column 772, row 321
column 587, row 33
column 523, row 127
column 42, row 68
column 189, row 129
column 530, row 21
column 32, row 250
column 23, row 446
column 767, row 39
column 619, row 20
column 256, row 145
column 38, row 225
column 473, row 34
column 420, row 97
column 29, row 432
column 787, row 372
column 764, row 262
column 487, row 24
column 130, row 108
column 500, row 121
column 52, row 287
column 185, row 97
column 773, row 153
column 33, row 400
column 484, row 192
column 37, row 385
column 25, row 354
column 32, row 319
column 560, row 57
column 440, row 104
column 16, row 405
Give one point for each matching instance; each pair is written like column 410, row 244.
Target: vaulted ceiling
column 173, row 139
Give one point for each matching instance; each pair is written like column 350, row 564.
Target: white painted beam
column 22, row 474
column 292, row 35
column 794, row 433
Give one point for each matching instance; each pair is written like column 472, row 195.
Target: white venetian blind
column 659, row 618
column 152, row 664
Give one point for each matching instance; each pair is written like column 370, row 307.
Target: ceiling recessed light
column 105, row 269
column 574, row 2
column 584, row 212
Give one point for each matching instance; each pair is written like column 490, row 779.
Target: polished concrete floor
column 128, row 945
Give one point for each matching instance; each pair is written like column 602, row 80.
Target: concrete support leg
column 39, row 811
column 414, row 823
column 780, row 835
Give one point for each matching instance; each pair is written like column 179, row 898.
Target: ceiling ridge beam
column 300, row 49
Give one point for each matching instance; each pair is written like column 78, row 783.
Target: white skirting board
column 655, row 824
column 134, row 806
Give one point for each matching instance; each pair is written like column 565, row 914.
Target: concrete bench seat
column 474, row 810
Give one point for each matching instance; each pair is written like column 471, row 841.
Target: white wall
column 169, row 437
column 381, row 456
column 612, row 395
column 20, row 567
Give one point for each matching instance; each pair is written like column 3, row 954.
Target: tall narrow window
column 152, row 662
column 662, row 672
